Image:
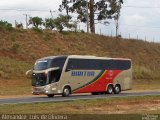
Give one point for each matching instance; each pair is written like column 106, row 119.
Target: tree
column 63, row 21
column 49, row 23
column 36, row 21
column 18, row 25
column 5, row 24
column 117, row 15
column 104, row 9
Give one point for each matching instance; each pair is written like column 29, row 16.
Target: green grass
column 12, row 67
column 127, row 105
column 80, row 117
column 128, row 108
column 146, row 84
column 16, row 44
column 15, row 87
column 105, row 117
column 141, row 72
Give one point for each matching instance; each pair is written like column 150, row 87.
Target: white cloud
column 143, row 18
column 147, row 17
column 135, row 19
column 30, row 4
column 12, row 14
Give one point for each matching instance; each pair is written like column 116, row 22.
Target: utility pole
column 26, row 20
column 51, row 14
column 117, row 27
column 15, row 24
column 87, row 17
column 118, row 15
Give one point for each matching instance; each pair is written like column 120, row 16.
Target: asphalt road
column 70, row 98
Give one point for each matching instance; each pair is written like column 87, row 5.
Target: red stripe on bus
column 100, row 84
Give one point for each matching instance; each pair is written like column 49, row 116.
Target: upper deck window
column 41, row 65
column 98, row 64
column 58, row 62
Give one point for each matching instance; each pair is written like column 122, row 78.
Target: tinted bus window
column 58, row 62
column 39, row 79
column 84, row 64
column 96, row 64
column 41, row 65
column 78, row 64
column 124, row 65
column 119, row 64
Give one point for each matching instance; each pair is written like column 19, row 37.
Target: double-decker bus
column 70, row 74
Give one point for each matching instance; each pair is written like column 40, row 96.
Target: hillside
column 20, row 48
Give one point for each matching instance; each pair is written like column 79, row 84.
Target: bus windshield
column 39, row 79
column 41, row 65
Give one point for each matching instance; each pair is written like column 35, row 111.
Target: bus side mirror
column 29, row 73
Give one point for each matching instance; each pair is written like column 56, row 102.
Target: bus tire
column 50, row 95
column 117, row 89
column 110, row 89
column 66, row 91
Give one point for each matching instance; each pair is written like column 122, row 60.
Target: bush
column 4, row 75
column 15, row 47
column 5, row 24
column 82, row 31
column 38, row 30
column 142, row 73
column 10, row 68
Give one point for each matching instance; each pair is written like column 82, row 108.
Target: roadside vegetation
column 20, row 48
column 28, row 45
column 124, row 105
column 11, row 67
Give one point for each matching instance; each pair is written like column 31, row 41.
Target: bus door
column 54, row 76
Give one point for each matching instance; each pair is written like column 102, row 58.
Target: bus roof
column 52, row 57
column 95, row 57
column 83, row 57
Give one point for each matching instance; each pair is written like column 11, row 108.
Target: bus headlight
column 47, row 91
column 47, row 87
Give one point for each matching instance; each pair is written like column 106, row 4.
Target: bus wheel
column 50, row 95
column 117, row 89
column 66, row 91
column 110, row 89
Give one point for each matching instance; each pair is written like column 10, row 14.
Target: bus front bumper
column 43, row 90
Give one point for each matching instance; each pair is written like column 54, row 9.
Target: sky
column 139, row 18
